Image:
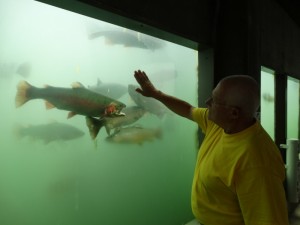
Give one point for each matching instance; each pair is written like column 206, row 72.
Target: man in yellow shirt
column 239, row 173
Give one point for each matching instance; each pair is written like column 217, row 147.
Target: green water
column 81, row 182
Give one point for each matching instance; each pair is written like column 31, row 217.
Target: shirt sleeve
column 199, row 115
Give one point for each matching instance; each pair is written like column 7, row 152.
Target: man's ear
column 235, row 112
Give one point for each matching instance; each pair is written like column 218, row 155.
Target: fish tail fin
column 21, row 96
column 94, row 126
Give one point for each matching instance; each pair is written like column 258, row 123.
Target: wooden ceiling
column 292, row 7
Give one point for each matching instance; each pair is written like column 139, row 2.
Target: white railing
column 292, row 170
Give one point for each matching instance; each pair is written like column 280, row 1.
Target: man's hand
column 147, row 88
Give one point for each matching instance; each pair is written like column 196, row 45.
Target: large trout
column 76, row 100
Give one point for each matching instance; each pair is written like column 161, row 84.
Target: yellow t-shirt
column 238, row 177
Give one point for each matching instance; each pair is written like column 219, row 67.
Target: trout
column 132, row 114
column 134, row 135
column 51, row 132
column 76, row 100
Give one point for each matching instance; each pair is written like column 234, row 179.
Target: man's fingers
column 140, row 76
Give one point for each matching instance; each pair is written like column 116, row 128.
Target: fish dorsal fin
column 77, row 85
column 47, row 86
column 71, row 114
column 49, row 105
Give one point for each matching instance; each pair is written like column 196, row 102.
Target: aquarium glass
column 51, row 170
column 267, row 107
column 292, row 108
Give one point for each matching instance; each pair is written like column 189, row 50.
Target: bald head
column 241, row 91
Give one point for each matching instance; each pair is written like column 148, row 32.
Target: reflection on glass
column 292, row 108
column 267, row 101
column 51, row 171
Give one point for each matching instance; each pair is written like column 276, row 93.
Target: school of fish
column 99, row 103
column 100, row 107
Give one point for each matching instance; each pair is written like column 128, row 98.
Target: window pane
column 267, row 101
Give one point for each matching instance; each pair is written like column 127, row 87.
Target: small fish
column 132, row 114
column 49, row 132
column 77, row 100
column 134, row 135
column 111, row 90
column 149, row 104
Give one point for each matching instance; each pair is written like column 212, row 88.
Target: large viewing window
column 51, row 170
